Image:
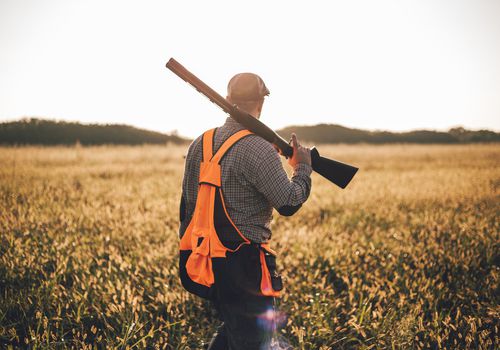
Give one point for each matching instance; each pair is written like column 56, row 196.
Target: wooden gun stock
column 337, row 172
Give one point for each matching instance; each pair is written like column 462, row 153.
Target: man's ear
column 259, row 109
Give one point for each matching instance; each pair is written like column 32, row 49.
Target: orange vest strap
column 208, row 137
column 208, row 145
column 210, row 174
column 228, row 143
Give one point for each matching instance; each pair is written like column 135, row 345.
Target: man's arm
column 182, row 209
column 266, row 173
column 182, row 204
column 190, row 176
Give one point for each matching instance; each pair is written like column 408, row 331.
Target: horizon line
column 176, row 133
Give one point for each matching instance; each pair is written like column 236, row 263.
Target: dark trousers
column 248, row 319
column 246, row 325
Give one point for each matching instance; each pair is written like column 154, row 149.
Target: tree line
column 33, row 131
column 331, row 133
column 47, row 132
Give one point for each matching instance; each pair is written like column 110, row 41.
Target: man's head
column 247, row 91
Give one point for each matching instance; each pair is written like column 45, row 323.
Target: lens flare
column 272, row 320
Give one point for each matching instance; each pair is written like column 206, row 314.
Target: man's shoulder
column 196, row 141
column 253, row 149
column 255, row 144
column 194, row 146
column 251, row 145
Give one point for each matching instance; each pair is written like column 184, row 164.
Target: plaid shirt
column 253, row 182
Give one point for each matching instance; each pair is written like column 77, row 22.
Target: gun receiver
column 337, row 172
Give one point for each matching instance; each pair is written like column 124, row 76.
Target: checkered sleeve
column 269, row 178
column 189, row 184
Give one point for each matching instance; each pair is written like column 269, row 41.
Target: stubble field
column 407, row 257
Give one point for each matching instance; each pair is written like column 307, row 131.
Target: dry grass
column 407, row 257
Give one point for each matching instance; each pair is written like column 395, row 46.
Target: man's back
column 253, row 182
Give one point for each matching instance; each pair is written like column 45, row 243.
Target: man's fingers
column 294, row 141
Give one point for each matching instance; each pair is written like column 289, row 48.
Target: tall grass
column 407, row 257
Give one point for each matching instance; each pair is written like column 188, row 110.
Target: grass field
column 407, row 257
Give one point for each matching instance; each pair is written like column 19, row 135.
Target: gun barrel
column 199, row 85
column 245, row 119
column 337, row 172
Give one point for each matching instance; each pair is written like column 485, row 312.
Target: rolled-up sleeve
column 270, row 178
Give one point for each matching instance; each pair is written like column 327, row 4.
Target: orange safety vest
column 211, row 233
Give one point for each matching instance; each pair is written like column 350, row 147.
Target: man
column 253, row 182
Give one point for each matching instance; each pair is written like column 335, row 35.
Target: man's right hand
column 301, row 154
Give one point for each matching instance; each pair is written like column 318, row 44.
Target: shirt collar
column 233, row 124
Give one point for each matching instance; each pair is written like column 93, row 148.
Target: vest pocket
column 191, row 286
column 276, row 280
column 271, row 283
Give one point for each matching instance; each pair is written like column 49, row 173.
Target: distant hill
column 331, row 133
column 47, row 132
column 33, row 131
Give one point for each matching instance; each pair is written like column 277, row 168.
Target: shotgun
column 335, row 171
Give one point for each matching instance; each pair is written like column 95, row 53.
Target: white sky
column 393, row 65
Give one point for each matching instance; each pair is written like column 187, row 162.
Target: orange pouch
column 271, row 283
